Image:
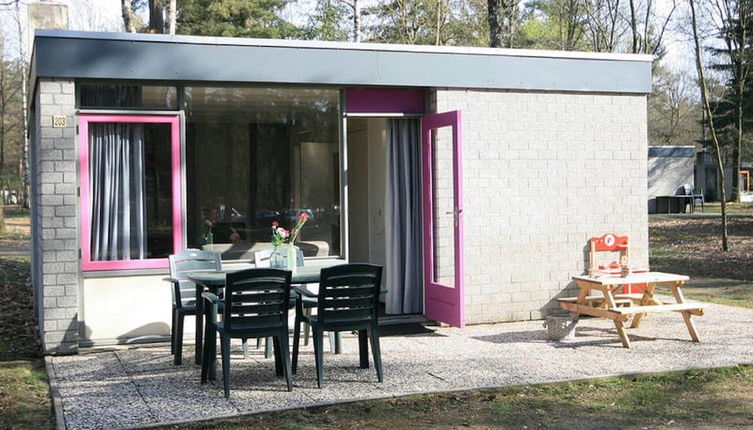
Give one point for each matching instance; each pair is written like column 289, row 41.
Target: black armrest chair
column 348, row 300
column 184, row 292
column 698, row 198
column 255, row 306
column 262, row 259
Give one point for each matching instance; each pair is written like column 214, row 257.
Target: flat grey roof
column 128, row 56
column 671, row 151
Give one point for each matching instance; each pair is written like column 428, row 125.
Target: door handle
column 455, row 213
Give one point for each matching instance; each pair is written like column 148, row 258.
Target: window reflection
column 106, row 95
column 259, row 155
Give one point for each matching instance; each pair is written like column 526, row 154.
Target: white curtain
column 116, row 186
column 404, row 268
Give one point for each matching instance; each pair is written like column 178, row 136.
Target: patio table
column 214, row 281
column 680, row 199
column 635, row 305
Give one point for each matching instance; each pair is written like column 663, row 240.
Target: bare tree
column 673, row 108
column 604, row 26
column 572, row 23
column 710, row 120
column 648, row 33
column 128, row 23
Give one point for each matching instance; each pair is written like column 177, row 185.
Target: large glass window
column 130, row 190
column 255, row 156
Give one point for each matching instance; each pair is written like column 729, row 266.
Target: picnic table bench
column 621, row 307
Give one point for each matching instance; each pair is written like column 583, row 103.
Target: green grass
column 732, row 208
column 15, row 212
column 24, row 391
column 691, row 247
column 721, row 291
column 14, row 234
column 24, row 398
column 719, row 398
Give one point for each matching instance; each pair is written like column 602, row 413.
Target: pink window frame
column 152, row 263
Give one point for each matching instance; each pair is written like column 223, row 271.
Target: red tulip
column 275, row 224
column 304, row 216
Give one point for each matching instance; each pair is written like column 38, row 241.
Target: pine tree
column 234, row 18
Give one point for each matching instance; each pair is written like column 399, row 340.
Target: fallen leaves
column 18, row 326
column 693, row 246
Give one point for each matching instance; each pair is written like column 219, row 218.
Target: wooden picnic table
column 621, row 307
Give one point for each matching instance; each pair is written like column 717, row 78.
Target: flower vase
column 292, row 254
column 278, row 259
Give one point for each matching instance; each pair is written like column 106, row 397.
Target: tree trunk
column 127, row 16
column 2, row 125
column 156, row 20
column 509, row 11
column 356, row 22
column 3, row 104
column 24, row 105
column 634, row 27
column 2, row 131
column 438, row 24
column 172, row 11
column 495, row 31
column 712, row 127
column 736, row 155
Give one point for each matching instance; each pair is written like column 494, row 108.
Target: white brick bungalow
column 474, row 175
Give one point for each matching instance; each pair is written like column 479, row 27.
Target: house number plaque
column 58, row 121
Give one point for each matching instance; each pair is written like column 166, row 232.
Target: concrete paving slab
column 140, row 386
column 180, row 396
column 110, row 403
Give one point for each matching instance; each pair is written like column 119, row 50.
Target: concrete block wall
column 666, row 175
column 55, row 265
column 544, row 172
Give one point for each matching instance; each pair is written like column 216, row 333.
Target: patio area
column 139, row 386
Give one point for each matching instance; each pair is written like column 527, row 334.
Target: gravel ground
column 137, row 387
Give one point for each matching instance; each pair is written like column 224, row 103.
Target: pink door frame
column 177, row 213
column 443, row 302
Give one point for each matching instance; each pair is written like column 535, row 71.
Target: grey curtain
column 116, row 186
column 404, row 268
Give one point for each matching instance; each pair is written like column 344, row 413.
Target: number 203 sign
column 58, row 121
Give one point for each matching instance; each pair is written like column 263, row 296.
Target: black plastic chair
column 262, row 259
column 348, row 300
column 255, row 306
column 184, row 292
